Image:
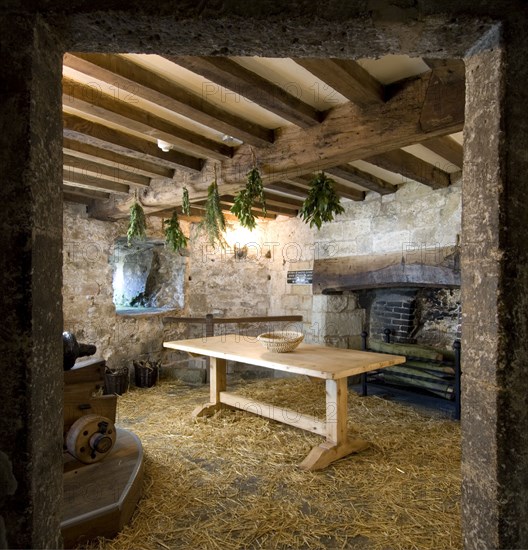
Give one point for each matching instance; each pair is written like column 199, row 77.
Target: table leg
column 217, row 384
column 337, row 444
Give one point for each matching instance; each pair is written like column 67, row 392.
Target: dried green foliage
column 322, row 202
column 214, row 222
column 137, row 226
column 246, row 198
column 174, row 236
column 186, row 205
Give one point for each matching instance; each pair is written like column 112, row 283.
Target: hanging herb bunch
column 246, row 198
column 322, row 202
column 137, row 226
column 214, row 223
column 174, row 236
column 186, row 205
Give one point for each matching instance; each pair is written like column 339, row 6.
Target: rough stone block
column 365, row 244
column 301, row 290
column 344, row 248
column 336, row 304
column 318, row 303
column 390, row 241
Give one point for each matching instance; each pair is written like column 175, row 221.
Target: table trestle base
column 324, row 454
column 332, row 366
column 280, row 414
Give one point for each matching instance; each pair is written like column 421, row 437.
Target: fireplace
column 415, row 295
column 426, row 316
column 406, row 300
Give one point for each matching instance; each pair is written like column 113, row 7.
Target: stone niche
column 147, row 276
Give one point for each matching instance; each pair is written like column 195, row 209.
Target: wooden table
column 330, row 364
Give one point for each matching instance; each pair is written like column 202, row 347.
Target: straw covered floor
column 232, row 481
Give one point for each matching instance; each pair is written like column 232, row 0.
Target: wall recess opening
column 147, row 277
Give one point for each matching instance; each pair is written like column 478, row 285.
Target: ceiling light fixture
column 164, row 146
column 230, row 140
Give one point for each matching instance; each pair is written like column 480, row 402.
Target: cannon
column 103, row 465
column 89, row 416
column 72, row 350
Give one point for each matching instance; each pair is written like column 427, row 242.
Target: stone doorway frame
column 494, row 245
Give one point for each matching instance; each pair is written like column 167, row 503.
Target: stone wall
column 415, row 220
column 251, row 283
column 147, row 274
column 439, row 314
column 88, row 307
column 214, row 281
column 224, row 284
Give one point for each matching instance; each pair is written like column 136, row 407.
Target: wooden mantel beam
column 229, row 74
column 347, row 134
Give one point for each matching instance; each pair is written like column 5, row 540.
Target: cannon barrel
column 72, row 350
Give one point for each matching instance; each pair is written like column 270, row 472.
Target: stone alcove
column 147, row 277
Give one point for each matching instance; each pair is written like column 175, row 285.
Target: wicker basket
column 146, row 373
column 116, row 381
column 281, row 341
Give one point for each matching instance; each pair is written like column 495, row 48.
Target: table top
column 309, row 359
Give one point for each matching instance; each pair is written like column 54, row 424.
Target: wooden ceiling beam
column 349, row 134
column 85, row 195
column 195, row 216
column 71, row 197
column 228, row 200
column 227, row 73
column 442, row 98
column 89, row 101
column 411, row 167
column 342, row 190
column 79, row 129
column 106, row 157
column 447, row 148
column 226, row 209
column 348, row 78
column 75, row 179
column 450, row 66
column 359, row 177
column 289, row 188
column 134, row 80
column 279, row 200
column 91, row 168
